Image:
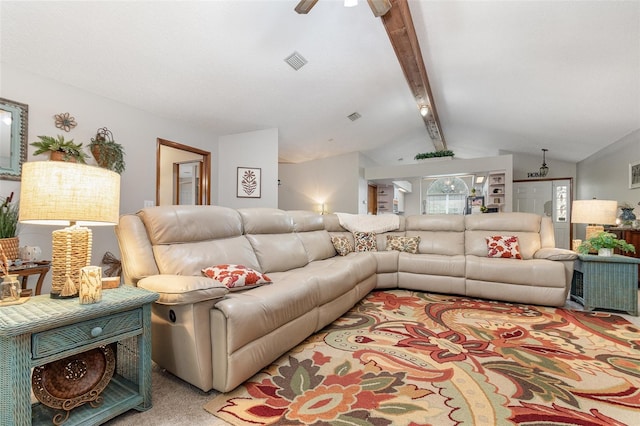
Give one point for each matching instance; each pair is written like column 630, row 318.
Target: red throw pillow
column 503, row 246
column 236, row 276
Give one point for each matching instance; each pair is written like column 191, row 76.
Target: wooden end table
column 43, row 330
column 606, row 282
column 26, row 270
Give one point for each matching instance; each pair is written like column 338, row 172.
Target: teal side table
column 43, row 330
column 606, row 282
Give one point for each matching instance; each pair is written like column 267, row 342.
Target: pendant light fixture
column 544, row 169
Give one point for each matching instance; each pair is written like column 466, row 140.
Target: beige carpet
column 175, row 403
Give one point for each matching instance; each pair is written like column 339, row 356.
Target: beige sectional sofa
column 216, row 338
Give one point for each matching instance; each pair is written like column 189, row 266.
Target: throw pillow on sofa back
column 342, row 245
column 406, row 244
column 503, row 247
column 365, row 241
column 236, row 276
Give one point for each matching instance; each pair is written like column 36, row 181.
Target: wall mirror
column 14, row 118
column 183, row 174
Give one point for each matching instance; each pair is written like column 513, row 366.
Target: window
column 446, row 195
column 561, row 205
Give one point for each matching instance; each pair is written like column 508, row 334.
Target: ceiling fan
column 378, row 7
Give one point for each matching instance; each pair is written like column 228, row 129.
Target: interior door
column 533, row 197
column 372, row 200
column 549, row 198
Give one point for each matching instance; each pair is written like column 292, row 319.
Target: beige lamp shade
column 63, row 193
column 60, row 193
column 594, row 212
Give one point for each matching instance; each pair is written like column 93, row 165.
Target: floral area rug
column 411, row 358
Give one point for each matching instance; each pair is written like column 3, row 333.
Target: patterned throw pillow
column 236, row 276
column 365, row 241
column 503, row 246
column 342, row 245
column 407, row 244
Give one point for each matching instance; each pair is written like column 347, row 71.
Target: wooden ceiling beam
column 399, row 26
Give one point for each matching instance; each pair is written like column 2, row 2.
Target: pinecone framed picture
column 249, row 182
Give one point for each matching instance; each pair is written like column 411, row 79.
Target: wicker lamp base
column 71, row 252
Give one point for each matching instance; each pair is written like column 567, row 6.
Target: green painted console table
column 43, row 330
column 606, row 282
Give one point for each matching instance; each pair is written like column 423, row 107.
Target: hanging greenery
column 108, row 153
column 434, row 154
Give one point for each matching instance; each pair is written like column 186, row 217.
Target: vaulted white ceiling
column 506, row 75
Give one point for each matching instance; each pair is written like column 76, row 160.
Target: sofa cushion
column 532, row 273
column 236, row 277
column 342, row 245
column 503, row 246
column 264, row 220
column 406, row 244
column 525, row 226
column 278, row 252
column 556, row 254
column 181, row 290
column 317, row 244
column 365, row 241
column 304, row 220
column 180, row 224
column 439, row 234
column 331, row 223
column 334, row 277
column 432, row 264
column 258, row 311
column 190, row 257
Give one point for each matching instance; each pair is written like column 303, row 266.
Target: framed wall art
column 249, row 182
column 634, row 175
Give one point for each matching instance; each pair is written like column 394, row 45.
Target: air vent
column 295, row 60
column 354, row 116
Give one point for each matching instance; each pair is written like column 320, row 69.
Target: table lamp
column 594, row 213
column 78, row 195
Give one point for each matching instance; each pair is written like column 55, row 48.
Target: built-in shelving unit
column 495, row 194
column 385, row 199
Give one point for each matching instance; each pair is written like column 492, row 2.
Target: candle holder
column 90, row 285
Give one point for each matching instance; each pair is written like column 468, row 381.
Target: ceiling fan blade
column 305, row 6
column 379, row 7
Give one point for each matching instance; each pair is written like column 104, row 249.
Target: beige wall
column 605, row 174
column 136, row 130
column 257, row 149
column 335, row 180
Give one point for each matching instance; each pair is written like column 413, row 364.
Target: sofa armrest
column 183, row 289
column 555, row 254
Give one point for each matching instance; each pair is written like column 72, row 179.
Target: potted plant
column 9, row 228
column 604, row 243
column 60, row 149
column 434, row 154
column 108, row 153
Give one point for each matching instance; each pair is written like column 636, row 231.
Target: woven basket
column 11, row 247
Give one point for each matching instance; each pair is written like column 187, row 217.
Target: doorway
column 551, row 198
column 372, row 200
column 174, row 161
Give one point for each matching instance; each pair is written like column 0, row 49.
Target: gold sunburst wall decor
column 65, row 122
